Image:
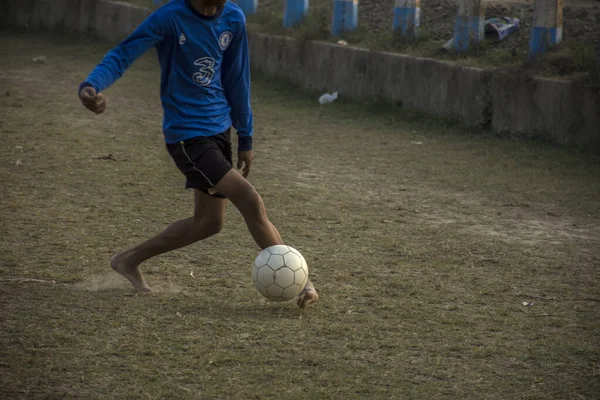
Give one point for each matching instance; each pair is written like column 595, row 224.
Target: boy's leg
column 209, row 213
column 246, row 199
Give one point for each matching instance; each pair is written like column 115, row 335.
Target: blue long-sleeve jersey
column 205, row 71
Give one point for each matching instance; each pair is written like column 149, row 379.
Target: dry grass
column 423, row 253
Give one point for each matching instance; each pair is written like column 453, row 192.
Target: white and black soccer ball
column 279, row 273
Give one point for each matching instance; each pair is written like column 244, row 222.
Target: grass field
column 424, row 241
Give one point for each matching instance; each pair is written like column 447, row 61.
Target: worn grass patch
column 424, row 241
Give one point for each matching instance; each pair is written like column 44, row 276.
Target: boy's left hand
column 245, row 159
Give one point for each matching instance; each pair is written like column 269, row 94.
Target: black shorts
column 203, row 160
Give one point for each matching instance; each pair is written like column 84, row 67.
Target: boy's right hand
column 95, row 102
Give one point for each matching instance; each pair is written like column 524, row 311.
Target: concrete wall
column 434, row 87
column 104, row 19
column 559, row 111
column 553, row 110
column 556, row 111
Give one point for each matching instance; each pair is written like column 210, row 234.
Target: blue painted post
column 407, row 17
column 547, row 26
column 469, row 24
column 345, row 16
column 248, row 6
column 295, row 10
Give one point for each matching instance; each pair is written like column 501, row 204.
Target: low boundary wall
column 109, row 20
column 553, row 110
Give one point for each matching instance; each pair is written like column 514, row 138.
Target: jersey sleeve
column 115, row 62
column 236, row 83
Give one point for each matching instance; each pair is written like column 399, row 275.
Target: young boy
column 205, row 89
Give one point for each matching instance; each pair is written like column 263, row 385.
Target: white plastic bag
column 328, row 98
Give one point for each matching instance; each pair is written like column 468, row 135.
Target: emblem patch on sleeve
column 225, row 40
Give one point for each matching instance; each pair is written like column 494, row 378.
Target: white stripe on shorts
column 194, row 165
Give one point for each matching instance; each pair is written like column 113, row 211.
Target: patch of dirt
column 102, row 282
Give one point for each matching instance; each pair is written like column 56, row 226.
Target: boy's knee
column 242, row 194
column 208, row 226
column 214, row 225
column 247, row 196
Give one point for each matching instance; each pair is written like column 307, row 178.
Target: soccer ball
column 279, row 273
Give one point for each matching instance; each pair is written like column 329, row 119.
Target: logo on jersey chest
column 225, row 40
column 206, row 71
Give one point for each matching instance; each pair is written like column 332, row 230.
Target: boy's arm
column 114, row 64
column 236, row 83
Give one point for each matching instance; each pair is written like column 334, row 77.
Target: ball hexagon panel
column 262, row 258
column 292, row 261
column 279, row 249
column 261, row 289
column 293, row 250
column 266, row 276
column 300, row 277
column 275, row 262
column 292, row 292
column 254, row 274
column 275, row 291
column 284, row 277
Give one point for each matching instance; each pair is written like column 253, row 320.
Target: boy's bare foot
column 131, row 271
column 308, row 295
